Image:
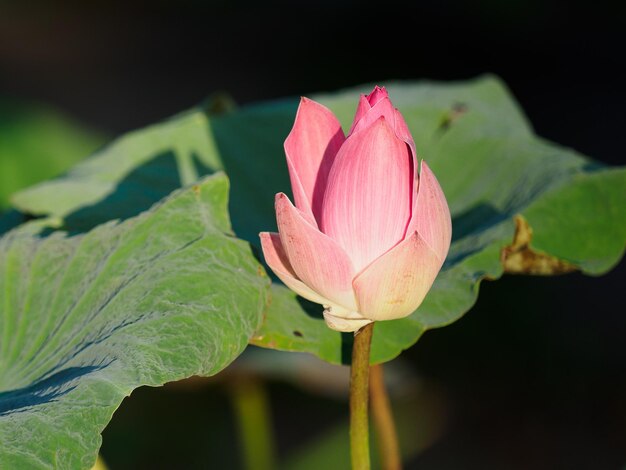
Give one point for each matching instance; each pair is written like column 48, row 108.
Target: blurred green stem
column 386, row 434
column 255, row 428
column 359, row 392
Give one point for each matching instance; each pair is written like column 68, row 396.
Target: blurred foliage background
column 533, row 377
column 38, row 143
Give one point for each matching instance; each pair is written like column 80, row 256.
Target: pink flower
column 369, row 233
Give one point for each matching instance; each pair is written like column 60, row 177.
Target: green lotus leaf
column 85, row 319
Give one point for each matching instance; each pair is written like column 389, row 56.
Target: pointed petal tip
column 376, row 95
column 370, row 110
column 281, row 203
column 384, row 123
column 312, row 112
column 310, row 148
column 308, row 102
column 380, row 123
column 425, row 169
column 304, row 101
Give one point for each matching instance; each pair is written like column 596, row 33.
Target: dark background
column 535, row 374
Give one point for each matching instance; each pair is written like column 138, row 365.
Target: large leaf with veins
column 85, row 319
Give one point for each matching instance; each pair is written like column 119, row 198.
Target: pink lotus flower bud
column 369, row 232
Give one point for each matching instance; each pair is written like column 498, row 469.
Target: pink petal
column 431, row 215
column 367, row 101
column 383, row 107
column 277, row 260
column 403, row 133
column 362, row 108
column 377, row 94
column 311, row 147
column 316, row 259
column 368, row 198
column 395, row 284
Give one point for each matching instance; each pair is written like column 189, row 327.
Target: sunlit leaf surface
column 85, row 319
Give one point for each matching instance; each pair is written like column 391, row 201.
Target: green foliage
column 85, row 319
column 37, row 143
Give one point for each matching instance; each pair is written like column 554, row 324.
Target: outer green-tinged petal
column 317, row 260
column 395, row 284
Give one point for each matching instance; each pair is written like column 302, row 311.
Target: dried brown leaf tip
column 520, row 258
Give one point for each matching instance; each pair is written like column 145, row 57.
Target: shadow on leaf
column 44, row 391
column 137, row 192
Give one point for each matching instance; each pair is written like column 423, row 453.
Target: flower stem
column 255, row 428
column 359, row 391
column 383, row 421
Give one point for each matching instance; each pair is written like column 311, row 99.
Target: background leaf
column 85, row 319
column 476, row 140
column 126, row 176
column 37, row 143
